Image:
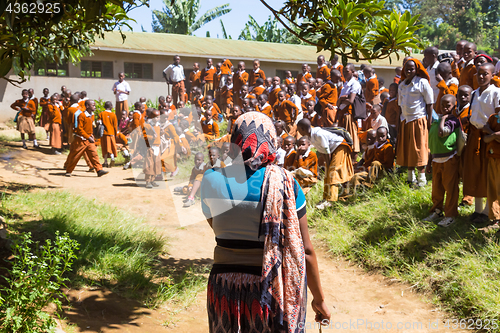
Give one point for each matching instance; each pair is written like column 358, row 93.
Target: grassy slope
column 382, row 229
column 117, row 250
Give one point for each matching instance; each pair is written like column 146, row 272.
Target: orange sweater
column 286, row 111
column 273, row 96
column 303, row 77
column 252, row 78
column 109, row 121
column 195, row 79
column 372, row 90
column 467, row 76
column 208, row 74
column 227, row 95
column 84, row 125
column 210, row 128
column 257, row 91
column 289, row 160
column 238, row 81
column 392, row 112
column 327, row 95
column 323, row 73
column 385, row 155
column 444, row 90
column 225, row 68
column 30, row 107
column 54, row 113
column 310, row 162
column 267, row 110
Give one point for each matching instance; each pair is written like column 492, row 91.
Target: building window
column 52, row 69
column 282, row 75
column 138, row 71
column 102, row 69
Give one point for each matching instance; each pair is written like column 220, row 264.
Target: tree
column 224, row 33
column 179, row 16
column 33, row 31
column 354, row 29
column 268, row 32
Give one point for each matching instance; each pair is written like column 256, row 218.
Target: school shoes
column 435, row 215
column 149, row 185
column 188, row 203
column 36, row 146
column 68, row 174
column 446, row 222
column 24, row 146
column 91, row 170
column 155, row 184
column 101, row 173
column 126, row 166
column 112, row 164
column 105, row 165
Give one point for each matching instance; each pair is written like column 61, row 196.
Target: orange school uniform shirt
column 195, row 79
column 44, row 103
column 340, row 68
column 456, row 72
column 289, row 81
column 392, row 112
column 225, row 68
column 289, row 159
column 323, row 73
column 462, row 114
column 227, row 95
column 372, row 89
column 266, row 109
column 327, row 95
column 303, row 77
column 253, row 76
column 54, row 112
column 109, row 121
column 210, row 128
column 82, row 104
column 273, row 96
column 385, row 155
column 445, row 87
column 305, row 99
column 215, row 110
column 257, row 91
column 208, row 74
column 71, row 113
column 286, row 111
column 308, row 161
column 239, row 79
column 30, row 106
column 397, row 78
column 137, row 120
column 84, row 126
column 467, row 75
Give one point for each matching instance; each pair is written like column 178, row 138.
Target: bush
column 33, row 282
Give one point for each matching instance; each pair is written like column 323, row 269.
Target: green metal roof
column 183, row 45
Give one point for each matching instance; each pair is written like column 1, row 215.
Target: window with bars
column 99, row 69
column 52, row 69
column 138, row 71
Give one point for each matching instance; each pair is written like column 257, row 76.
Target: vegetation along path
column 358, row 300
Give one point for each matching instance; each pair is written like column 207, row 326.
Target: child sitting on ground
column 196, row 173
column 384, row 153
column 445, row 163
column 288, row 147
column 305, row 165
column 280, row 129
column 369, row 153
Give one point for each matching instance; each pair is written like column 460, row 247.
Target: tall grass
column 117, row 250
column 383, row 229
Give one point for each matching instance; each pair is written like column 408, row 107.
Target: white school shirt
column 123, row 86
column 353, row 86
column 484, row 105
column 380, row 121
column 431, row 70
column 324, row 141
column 413, row 98
column 174, row 73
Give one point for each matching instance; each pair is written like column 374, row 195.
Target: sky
column 234, row 21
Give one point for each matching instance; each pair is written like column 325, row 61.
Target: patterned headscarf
column 420, row 69
column 255, row 135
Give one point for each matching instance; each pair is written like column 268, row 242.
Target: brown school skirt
column 152, row 165
column 108, row 145
column 412, row 146
column 351, row 126
column 475, row 168
column 55, row 135
column 340, row 169
column 169, row 159
column 44, row 120
column 25, row 125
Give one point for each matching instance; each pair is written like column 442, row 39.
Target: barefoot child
column 445, row 163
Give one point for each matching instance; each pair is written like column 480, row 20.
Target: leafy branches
column 27, row 37
column 179, row 16
column 357, row 30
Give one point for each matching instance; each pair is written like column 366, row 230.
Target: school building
column 143, row 56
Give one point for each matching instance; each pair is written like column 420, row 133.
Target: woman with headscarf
column 415, row 97
column 263, row 254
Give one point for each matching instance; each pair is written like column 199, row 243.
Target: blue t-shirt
column 231, row 197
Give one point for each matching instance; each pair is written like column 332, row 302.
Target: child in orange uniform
column 55, row 121
column 286, row 111
column 469, row 70
column 305, row 165
column 493, row 153
column 264, row 106
column 275, row 89
column 195, row 76
column 259, row 88
column 240, row 78
column 305, row 75
column 84, row 142
column 446, row 83
column 323, row 70
column 196, row 173
column 289, row 78
column 108, row 140
column 289, row 147
column 256, row 74
column 152, row 136
column 384, row 152
column 227, row 97
column 25, row 124
column 210, row 127
column 207, row 78
column 44, row 119
column 372, row 91
column 392, row 111
column 225, row 69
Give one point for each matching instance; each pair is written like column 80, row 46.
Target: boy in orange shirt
column 398, row 71
column 392, row 111
column 305, row 75
column 213, row 107
column 240, row 78
column 225, row 69
column 273, row 93
column 289, row 148
column 323, row 70
column 468, row 72
column 108, row 140
column 305, row 165
column 259, row 88
column 338, row 66
column 152, row 136
column 207, row 78
column 256, row 74
column 195, row 76
column 227, row 96
column 286, row 111
column 210, row 127
column 264, row 106
column 493, row 153
column 372, row 91
column 44, row 119
column 289, row 78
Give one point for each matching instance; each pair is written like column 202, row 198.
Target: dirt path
column 358, row 300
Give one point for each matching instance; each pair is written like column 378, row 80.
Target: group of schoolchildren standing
column 435, row 115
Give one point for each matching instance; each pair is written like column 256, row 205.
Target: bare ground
column 358, row 300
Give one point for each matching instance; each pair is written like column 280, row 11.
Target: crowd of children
column 436, row 116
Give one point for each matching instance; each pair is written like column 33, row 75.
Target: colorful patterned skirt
column 233, row 304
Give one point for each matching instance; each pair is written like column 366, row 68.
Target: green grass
column 382, row 229
column 13, row 135
column 117, row 250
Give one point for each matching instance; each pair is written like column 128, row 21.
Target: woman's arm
column 313, row 281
